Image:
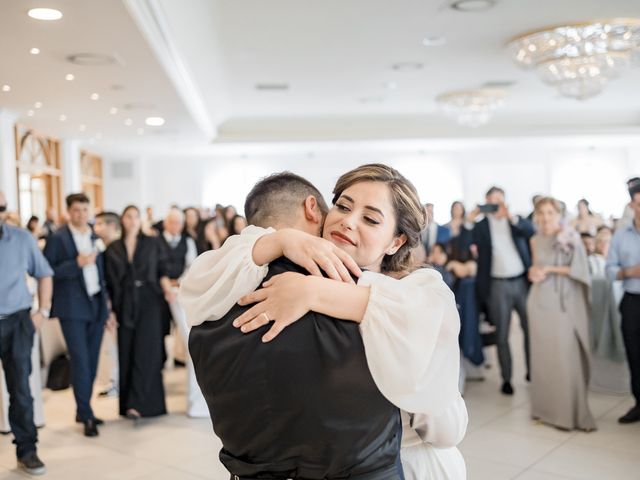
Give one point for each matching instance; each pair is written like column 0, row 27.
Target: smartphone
column 488, row 208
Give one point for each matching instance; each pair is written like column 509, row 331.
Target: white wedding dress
column 410, row 334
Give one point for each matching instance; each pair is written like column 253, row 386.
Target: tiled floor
column 502, row 442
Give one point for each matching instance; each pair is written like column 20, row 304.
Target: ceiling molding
column 151, row 21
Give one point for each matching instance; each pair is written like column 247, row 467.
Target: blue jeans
column 16, row 341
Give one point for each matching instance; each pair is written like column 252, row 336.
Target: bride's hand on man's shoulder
column 315, row 254
column 284, row 299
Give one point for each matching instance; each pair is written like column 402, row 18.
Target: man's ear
column 396, row 244
column 312, row 211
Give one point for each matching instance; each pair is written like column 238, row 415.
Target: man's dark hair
column 76, row 198
column 109, row 217
column 494, row 189
column 632, row 182
column 278, row 197
column 634, row 190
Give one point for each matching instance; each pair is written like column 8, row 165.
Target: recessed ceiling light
column 63, row 118
column 434, row 41
column 45, row 14
column 390, row 85
column 128, row 122
column 91, row 59
column 34, row 51
column 69, row 77
column 82, row 128
column 272, row 86
column 30, row 113
column 499, row 84
column 113, row 110
column 154, row 121
column 472, row 5
column 94, row 96
column 407, row 66
column 140, row 131
column 38, row 105
column 6, row 88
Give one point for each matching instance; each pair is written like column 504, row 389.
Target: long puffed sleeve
column 410, row 334
column 218, row 278
column 445, row 430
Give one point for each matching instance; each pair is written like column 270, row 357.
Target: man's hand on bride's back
column 315, row 254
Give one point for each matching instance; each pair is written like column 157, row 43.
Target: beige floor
column 502, row 442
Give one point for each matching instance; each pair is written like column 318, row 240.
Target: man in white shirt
column 79, row 301
column 502, row 240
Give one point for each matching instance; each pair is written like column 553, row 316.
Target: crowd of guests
column 120, row 273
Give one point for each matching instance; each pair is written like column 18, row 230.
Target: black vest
column 175, row 257
column 302, row 406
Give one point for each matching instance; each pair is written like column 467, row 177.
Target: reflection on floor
column 502, row 442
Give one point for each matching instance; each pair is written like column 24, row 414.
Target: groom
column 304, row 406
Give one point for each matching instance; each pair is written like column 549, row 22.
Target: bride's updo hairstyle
column 409, row 212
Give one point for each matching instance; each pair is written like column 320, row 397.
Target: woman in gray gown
column 558, row 308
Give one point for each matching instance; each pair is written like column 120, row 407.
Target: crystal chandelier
column 471, row 108
column 580, row 59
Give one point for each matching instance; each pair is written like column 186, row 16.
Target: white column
column 71, row 173
column 8, row 173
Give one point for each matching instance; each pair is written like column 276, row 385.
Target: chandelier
column 471, row 108
column 580, row 59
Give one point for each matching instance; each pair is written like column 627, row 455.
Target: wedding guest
column 107, row 228
column 433, row 233
column 438, row 258
column 51, row 222
column 458, row 222
column 19, row 257
column 137, row 281
column 603, row 241
column 237, row 224
column 209, row 238
column 79, row 301
column 503, row 259
column 623, row 263
column 628, row 215
column 191, row 222
column 586, row 221
column 558, row 309
column 33, row 226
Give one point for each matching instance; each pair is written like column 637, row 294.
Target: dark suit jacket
column 521, row 233
column 70, row 297
column 302, row 406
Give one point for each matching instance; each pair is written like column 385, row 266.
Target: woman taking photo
column 408, row 319
column 135, row 270
column 558, row 309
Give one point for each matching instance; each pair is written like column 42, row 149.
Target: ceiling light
column 113, row 110
column 471, row 108
column 94, row 96
column 154, row 121
column 91, row 59
column 499, row 84
column 580, row 59
column 407, row 66
column 38, row 105
column 30, row 113
column 140, row 131
column 272, row 86
column 69, row 77
column 434, row 41
column 473, row 5
column 82, row 128
column 45, row 14
column 34, row 51
column 63, row 118
column 128, row 122
column 6, row 88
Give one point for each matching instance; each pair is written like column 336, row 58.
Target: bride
column 408, row 319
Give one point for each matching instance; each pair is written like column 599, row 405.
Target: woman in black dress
column 135, row 269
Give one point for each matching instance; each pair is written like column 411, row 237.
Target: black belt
column 508, row 279
column 388, row 473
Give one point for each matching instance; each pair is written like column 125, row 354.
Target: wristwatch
column 44, row 312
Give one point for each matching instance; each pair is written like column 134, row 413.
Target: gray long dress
column 558, row 309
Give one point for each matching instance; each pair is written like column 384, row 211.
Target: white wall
column 441, row 175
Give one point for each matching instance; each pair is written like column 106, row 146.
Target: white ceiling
column 198, row 61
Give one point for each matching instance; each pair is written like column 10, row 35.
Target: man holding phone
column 502, row 241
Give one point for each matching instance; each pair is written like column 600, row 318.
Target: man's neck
column 82, row 228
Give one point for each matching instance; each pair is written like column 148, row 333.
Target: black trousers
column 630, row 310
column 16, row 341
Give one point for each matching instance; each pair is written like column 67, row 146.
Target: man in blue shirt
column 19, row 256
column 623, row 263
